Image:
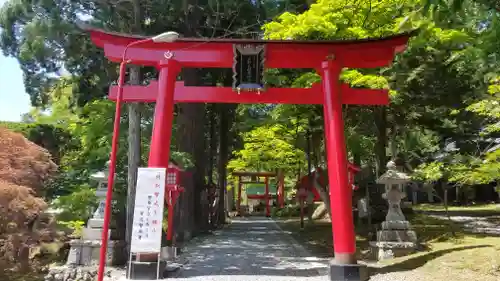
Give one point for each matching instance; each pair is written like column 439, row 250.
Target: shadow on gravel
column 251, row 247
column 421, row 260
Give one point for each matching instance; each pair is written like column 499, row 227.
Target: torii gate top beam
column 219, row 53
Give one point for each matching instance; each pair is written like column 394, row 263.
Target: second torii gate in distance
column 249, row 59
column 280, row 190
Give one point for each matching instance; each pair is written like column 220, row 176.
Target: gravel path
column 251, row 249
column 257, row 249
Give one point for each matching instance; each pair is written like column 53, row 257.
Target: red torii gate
column 328, row 58
column 280, row 189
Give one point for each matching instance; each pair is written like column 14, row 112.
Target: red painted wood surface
column 219, row 53
column 260, row 196
column 344, row 243
column 149, row 93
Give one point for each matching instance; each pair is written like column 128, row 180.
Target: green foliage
column 429, row 172
column 329, row 19
column 76, row 206
column 436, row 85
column 17, row 127
column 75, row 226
column 267, row 148
column 489, row 108
column 56, row 139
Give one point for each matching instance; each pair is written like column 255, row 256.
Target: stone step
column 397, row 236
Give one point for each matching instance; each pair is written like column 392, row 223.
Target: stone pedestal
column 348, row 272
column 168, row 253
column 146, row 270
column 396, row 239
column 87, row 252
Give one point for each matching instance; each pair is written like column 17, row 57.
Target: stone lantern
column 101, row 178
column 396, row 237
column 85, row 251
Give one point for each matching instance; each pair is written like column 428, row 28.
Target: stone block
column 397, row 236
column 389, row 250
column 88, row 252
column 95, row 223
column 93, row 234
column 168, row 253
column 101, row 192
column 396, row 225
column 74, row 254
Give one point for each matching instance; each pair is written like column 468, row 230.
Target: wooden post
column 268, row 207
column 238, row 201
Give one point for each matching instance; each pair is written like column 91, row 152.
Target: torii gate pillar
column 340, row 191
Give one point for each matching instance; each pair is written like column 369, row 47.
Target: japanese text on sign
column 148, row 210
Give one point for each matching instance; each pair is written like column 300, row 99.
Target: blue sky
column 13, row 98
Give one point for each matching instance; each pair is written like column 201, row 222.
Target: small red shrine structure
column 280, row 190
column 307, row 181
column 173, row 189
column 249, row 59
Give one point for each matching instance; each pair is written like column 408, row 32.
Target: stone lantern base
column 396, row 239
column 87, row 252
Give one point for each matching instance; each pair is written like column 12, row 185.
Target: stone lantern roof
column 393, row 176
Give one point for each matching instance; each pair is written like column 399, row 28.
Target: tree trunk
column 191, row 139
column 134, row 159
column 225, row 115
column 310, row 205
column 380, row 145
column 191, row 122
column 212, row 144
column 212, row 150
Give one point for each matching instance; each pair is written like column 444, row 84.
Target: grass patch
column 317, row 236
column 463, row 256
column 471, row 210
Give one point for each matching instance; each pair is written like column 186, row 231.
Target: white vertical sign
column 148, row 210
